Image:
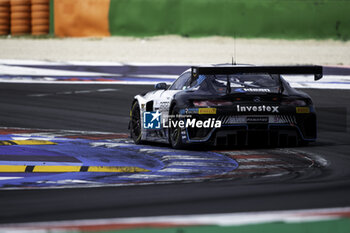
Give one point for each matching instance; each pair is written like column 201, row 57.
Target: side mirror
column 160, row 86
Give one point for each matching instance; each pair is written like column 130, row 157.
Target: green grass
column 329, row 226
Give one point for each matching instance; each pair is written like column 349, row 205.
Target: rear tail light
column 211, row 103
column 294, row 102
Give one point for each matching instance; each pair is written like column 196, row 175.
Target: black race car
column 227, row 105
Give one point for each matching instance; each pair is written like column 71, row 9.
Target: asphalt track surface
column 83, row 107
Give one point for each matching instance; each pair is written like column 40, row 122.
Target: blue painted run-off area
column 164, row 164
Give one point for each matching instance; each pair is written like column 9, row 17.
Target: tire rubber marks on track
column 178, row 164
column 270, row 162
column 185, row 157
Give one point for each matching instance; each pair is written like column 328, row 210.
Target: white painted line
column 25, row 71
column 29, row 62
column 257, row 160
column 275, row 174
column 30, row 81
column 9, row 178
column 39, row 137
column 143, row 176
column 107, row 90
column 180, row 170
column 87, row 63
column 109, row 144
column 263, row 166
column 68, row 181
column 187, row 157
column 157, row 76
column 73, row 92
column 327, row 82
column 42, row 72
column 59, row 132
column 321, row 86
column 199, row 164
column 40, row 95
column 40, row 163
column 151, row 150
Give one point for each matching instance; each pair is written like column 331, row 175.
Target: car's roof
column 224, row 65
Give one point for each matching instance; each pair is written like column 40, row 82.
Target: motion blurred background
column 290, row 19
column 177, row 31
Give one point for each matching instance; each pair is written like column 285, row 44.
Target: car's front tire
column 135, row 123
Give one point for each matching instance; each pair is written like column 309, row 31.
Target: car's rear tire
column 135, row 123
column 175, row 132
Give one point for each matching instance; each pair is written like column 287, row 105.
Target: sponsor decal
column 302, row 109
column 257, row 99
column 257, row 119
column 151, row 120
column 252, row 90
column 256, row 89
column 207, row 111
column 163, row 106
column 257, row 108
column 190, row 111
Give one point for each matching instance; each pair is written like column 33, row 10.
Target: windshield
column 252, row 81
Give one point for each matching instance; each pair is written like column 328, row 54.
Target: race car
column 227, row 105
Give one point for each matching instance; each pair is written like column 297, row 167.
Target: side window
column 198, row 81
column 180, row 82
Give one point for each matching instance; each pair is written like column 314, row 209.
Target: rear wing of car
column 317, row 71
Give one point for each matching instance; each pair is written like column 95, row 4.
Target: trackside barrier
column 20, row 17
column 40, row 17
column 4, row 17
column 81, row 18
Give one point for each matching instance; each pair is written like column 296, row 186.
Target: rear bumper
column 244, row 135
column 300, row 130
